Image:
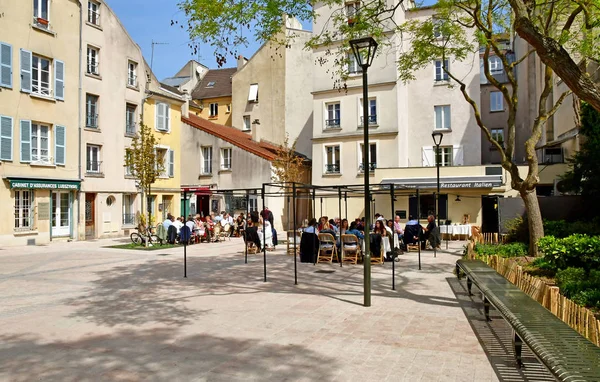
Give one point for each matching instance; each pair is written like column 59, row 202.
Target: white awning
column 253, row 95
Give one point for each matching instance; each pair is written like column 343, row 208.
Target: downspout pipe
column 79, row 111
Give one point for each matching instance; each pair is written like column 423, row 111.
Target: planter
column 42, row 21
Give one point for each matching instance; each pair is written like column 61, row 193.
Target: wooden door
column 90, row 216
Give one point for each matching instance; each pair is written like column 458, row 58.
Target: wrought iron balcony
column 332, row 168
column 128, row 219
column 332, row 123
column 372, row 167
column 93, row 167
column 372, row 120
column 91, row 120
column 92, row 68
column 130, row 128
column 132, row 80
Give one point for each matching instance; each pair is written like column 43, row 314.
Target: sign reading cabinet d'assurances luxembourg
column 43, row 184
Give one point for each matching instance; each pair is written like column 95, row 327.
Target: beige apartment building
column 39, row 124
column 113, row 91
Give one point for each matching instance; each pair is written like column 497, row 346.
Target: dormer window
column 211, row 84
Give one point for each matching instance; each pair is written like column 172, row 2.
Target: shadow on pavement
column 495, row 339
column 153, row 355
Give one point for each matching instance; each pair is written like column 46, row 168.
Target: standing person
column 267, row 215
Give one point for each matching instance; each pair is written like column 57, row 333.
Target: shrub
column 518, row 231
column 582, row 288
column 502, row 250
column 578, row 251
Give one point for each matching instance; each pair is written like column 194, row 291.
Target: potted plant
column 42, row 21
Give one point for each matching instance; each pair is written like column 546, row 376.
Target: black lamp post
column 364, row 52
column 437, row 139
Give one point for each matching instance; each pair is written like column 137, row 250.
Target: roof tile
column 222, row 84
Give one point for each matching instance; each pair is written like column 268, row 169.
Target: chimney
column 256, row 131
column 241, row 61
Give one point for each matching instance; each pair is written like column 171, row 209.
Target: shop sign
column 43, row 211
column 43, row 184
column 448, row 183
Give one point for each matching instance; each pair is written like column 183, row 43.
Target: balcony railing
column 372, row 120
column 332, row 123
column 93, row 167
column 92, row 68
column 332, row 168
column 128, row 219
column 132, row 80
column 94, row 17
column 91, row 120
column 372, row 167
column 130, row 128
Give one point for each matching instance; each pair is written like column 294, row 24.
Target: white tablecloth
column 463, row 229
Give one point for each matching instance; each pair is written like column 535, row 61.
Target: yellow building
column 39, row 124
column 213, row 95
column 162, row 113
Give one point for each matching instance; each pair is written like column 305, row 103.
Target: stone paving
column 82, row 312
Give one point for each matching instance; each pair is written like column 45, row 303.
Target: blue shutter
column 60, row 143
column 5, row 65
column 59, row 80
column 171, row 163
column 6, row 138
column 25, row 71
column 25, row 141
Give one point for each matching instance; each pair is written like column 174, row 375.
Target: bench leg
column 469, row 284
column 457, row 271
column 517, row 347
column 486, row 308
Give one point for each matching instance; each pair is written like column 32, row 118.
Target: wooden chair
column 290, row 243
column 216, row 232
column 252, row 248
column 350, row 249
column 378, row 259
column 226, row 232
column 327, row 248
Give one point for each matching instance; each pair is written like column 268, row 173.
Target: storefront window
column 23, row 209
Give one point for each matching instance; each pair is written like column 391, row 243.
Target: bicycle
column 140, row 237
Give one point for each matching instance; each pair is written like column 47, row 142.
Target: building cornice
column 353, row 136
column 357, row 87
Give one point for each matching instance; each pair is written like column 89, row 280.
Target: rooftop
column 216, row 83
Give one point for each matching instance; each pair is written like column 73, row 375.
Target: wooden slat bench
column 568, row 355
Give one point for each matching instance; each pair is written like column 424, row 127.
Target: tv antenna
column 152, row 57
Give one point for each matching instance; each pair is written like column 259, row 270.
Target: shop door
column 203, row 205
column 61, row 214
column 90, row 216
column 489, row 214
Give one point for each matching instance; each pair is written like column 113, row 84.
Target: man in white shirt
column 178, row 224
column 168, row 221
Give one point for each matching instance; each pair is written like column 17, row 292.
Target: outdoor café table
column 456, row 230
column 385, row 241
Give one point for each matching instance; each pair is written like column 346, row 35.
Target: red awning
column 202, row 191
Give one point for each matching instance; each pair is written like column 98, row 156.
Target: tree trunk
column 534, row 220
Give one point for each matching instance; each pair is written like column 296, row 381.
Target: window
column 40, row 143
column 93, row 159
column 352, row 12
column 40, row 76
column 214, row 110
column 440, row 74
column 128, row 169
column 253, row 203
column 226, row 159
column 162, row 117
column 246, row 123
column 6, row 138
column 437, row 28
column 353, row 67
column 496, row 101
column 372, row 157
column 41, row 10
column 253, row 94
column 6, row 70
column 442, row 117
column 495, row 64
column 93, row 55
column 130, row 119
column 372, row 112
column 498, row 135
column 23, row 209
column 333, row 116
column 445, row 155
column 211, row 84
column 93, row 13
column 91, row 111
column 207, row 160
column 228, row 108
column 128, row 215
column 161, row 157
column 132, row 74
column 332, row 159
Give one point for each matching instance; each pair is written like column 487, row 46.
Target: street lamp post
column 437, row 139
column 364, row 52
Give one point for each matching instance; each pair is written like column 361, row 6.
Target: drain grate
column 324, row 271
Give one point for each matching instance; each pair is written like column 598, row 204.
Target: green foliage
column 579, row 251
column 577, row 285
column 517, row 230
column 141, row 158
column 502, row 250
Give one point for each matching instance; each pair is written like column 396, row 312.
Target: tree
column 287, row 168
column 143, row 163
column 584, row 174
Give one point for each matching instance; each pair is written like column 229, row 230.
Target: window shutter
column 59, row 80
column 438, row 117
column 25, row 71
column 447, row 118
column 25, row 141
column 6, row 65
column 6, row 138
column 171, row 163
column 160, row 117
column 428, row 156
column 167, row 120
column 60, row 143
column 457, row 152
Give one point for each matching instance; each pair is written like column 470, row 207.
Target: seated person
column 251, row 234
column 309, row 242
column 412, row 231
column 431, row 233
column 354, row 231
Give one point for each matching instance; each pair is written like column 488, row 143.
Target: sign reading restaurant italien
column 42, row 184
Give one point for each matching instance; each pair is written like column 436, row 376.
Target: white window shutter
column 167, row 115
column 457, row 151
column 6, row 65
column 253, row 94
column 59, row 80
column 160, row 117
column 6, row 138
column 171, row 163
column 26, row 71
column 25, row 141
column 60, row 139
column 428, row 156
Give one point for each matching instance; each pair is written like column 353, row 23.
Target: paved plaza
column 82, row 312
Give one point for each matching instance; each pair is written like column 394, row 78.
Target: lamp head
column 437, row 138
column 364, row 50
column 457, row 198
